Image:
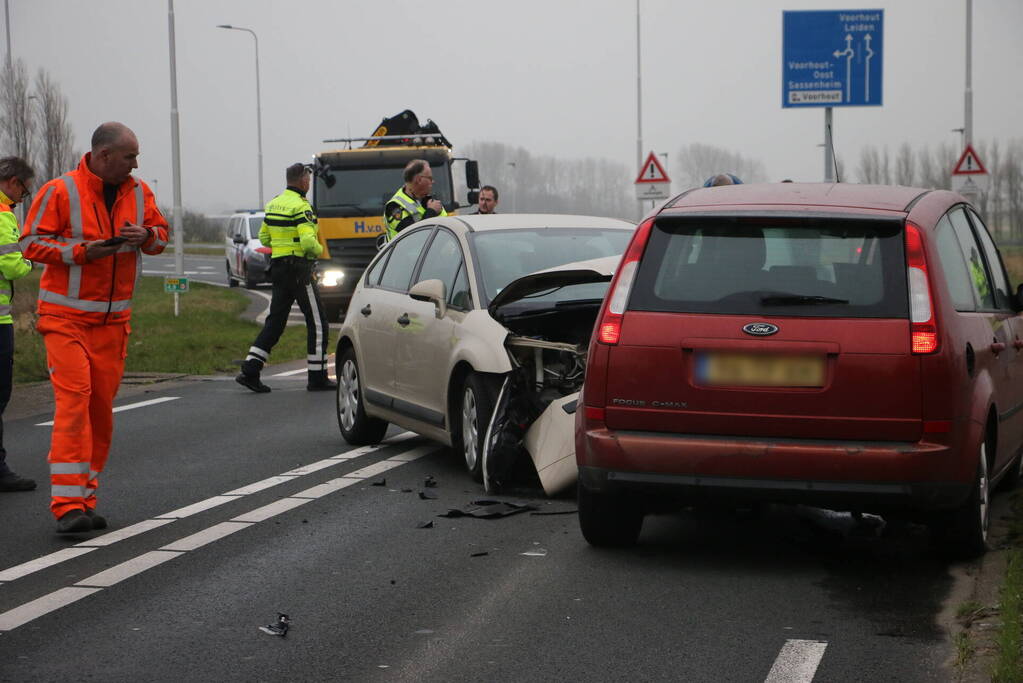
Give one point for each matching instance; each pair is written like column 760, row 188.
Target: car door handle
column 404, row 320
column 366, row 310
column 997, row 347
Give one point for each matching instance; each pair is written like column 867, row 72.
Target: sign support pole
column 829, row 150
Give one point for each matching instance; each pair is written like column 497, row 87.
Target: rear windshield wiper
column 799, row 300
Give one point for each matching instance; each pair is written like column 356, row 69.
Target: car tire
column 962, row 533
column 356, row 427
column 609, row 520
column 474, row 409
column 250, row 283
column 231, row 282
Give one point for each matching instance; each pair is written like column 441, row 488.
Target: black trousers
column 293, row 281
column 6, row 381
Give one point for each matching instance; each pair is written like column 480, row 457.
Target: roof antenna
column 829, row 145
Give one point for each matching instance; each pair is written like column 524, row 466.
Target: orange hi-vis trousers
column 86, row 363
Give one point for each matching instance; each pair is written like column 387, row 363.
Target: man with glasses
column 15, row 178
column 412, row 202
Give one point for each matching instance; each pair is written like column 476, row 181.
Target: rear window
column 813, row 267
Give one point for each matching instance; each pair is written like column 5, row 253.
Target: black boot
column 249, row 378
column 318, row 381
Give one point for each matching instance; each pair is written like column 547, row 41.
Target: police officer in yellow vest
column 290, row 230
column 15, row 177
column 412, row 202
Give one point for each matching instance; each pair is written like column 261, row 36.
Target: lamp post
column 259, row 114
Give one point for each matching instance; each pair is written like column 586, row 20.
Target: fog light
column 332, row 277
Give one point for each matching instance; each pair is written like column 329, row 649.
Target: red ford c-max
column 847, row 346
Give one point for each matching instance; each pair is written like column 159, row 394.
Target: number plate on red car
column 759, row 370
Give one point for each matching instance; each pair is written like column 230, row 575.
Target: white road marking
column 112, row 537
column 797, row 662
column 41, row 606
column 130, row 406
column 323, row 489
column 23, row 614
column 42, row 563
column 196, row 508
column 127, row 532
column 308, row 469
column 272, row 510
column 214, row 533
column 127, row 569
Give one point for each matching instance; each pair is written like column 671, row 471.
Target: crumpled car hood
column 575, row 273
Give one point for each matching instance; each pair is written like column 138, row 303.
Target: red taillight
column 922, row 323
column 610, row 329
column 594, row 413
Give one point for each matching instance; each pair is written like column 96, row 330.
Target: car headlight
column 332, row 277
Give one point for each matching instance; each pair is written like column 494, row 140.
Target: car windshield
column 255, row 222
column 506, row 255
column 364, row 191
column 820, row 266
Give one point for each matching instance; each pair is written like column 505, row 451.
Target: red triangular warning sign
column 969, row 163
column 652, row 171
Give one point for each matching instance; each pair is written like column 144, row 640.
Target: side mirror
column 474, row 197
column 431, row 290
column 472, row 174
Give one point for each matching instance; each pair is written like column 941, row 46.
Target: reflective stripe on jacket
column 12, row 263
column 289, row 227
column 70, row 211
column 408, row 207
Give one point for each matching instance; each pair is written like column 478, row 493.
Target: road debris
column 278, row 629
column 424, row 525
column 488, row 509
column 430, row 482
column 428, row 495
column 479, row 554
column 380, row 482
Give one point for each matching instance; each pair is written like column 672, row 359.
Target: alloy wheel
column 470, row 431
column 348, row 394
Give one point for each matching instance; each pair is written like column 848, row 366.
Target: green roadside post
column 175, row 285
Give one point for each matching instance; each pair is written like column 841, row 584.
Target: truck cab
column 350, row 189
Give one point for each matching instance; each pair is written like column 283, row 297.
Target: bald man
column 89, row 227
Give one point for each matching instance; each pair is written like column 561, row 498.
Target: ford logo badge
column 760, row 329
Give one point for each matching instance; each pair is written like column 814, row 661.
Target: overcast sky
column 553, row 76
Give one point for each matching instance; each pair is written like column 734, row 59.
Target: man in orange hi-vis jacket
column 88, row 226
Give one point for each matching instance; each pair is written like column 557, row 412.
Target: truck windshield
column 364, row 191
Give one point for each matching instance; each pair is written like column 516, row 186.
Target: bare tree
column 697, row 162
column 869, row 169
column 55, row 137
column 905, row 171
column 16, row 119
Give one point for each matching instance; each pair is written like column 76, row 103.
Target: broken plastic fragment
column 488, row 509
column 380, row 482
column 429, row 482
column 480, row 554
column 535, row 552
column 428, row 495
column 278, row 629
column 424, row 525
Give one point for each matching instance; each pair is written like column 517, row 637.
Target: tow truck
column 353, row 183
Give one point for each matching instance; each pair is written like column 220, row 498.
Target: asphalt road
column 227, row 507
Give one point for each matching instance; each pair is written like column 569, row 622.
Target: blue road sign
column 832, row 58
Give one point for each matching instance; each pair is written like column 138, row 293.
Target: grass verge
column 1007, row 666
column 208, row 336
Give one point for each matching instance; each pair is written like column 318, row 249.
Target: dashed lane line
column 130, row 406
column 23, row 614
column 46, row 561
column 797, row 662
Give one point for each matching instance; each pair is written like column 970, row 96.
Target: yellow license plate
column 759, row 370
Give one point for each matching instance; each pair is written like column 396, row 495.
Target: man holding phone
column 88, row 226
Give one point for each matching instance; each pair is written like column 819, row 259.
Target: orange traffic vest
column 70, row 211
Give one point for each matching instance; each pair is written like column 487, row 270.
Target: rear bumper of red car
column 690, row 469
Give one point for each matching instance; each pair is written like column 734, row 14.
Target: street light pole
column 179, row 237
column 259, row 111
